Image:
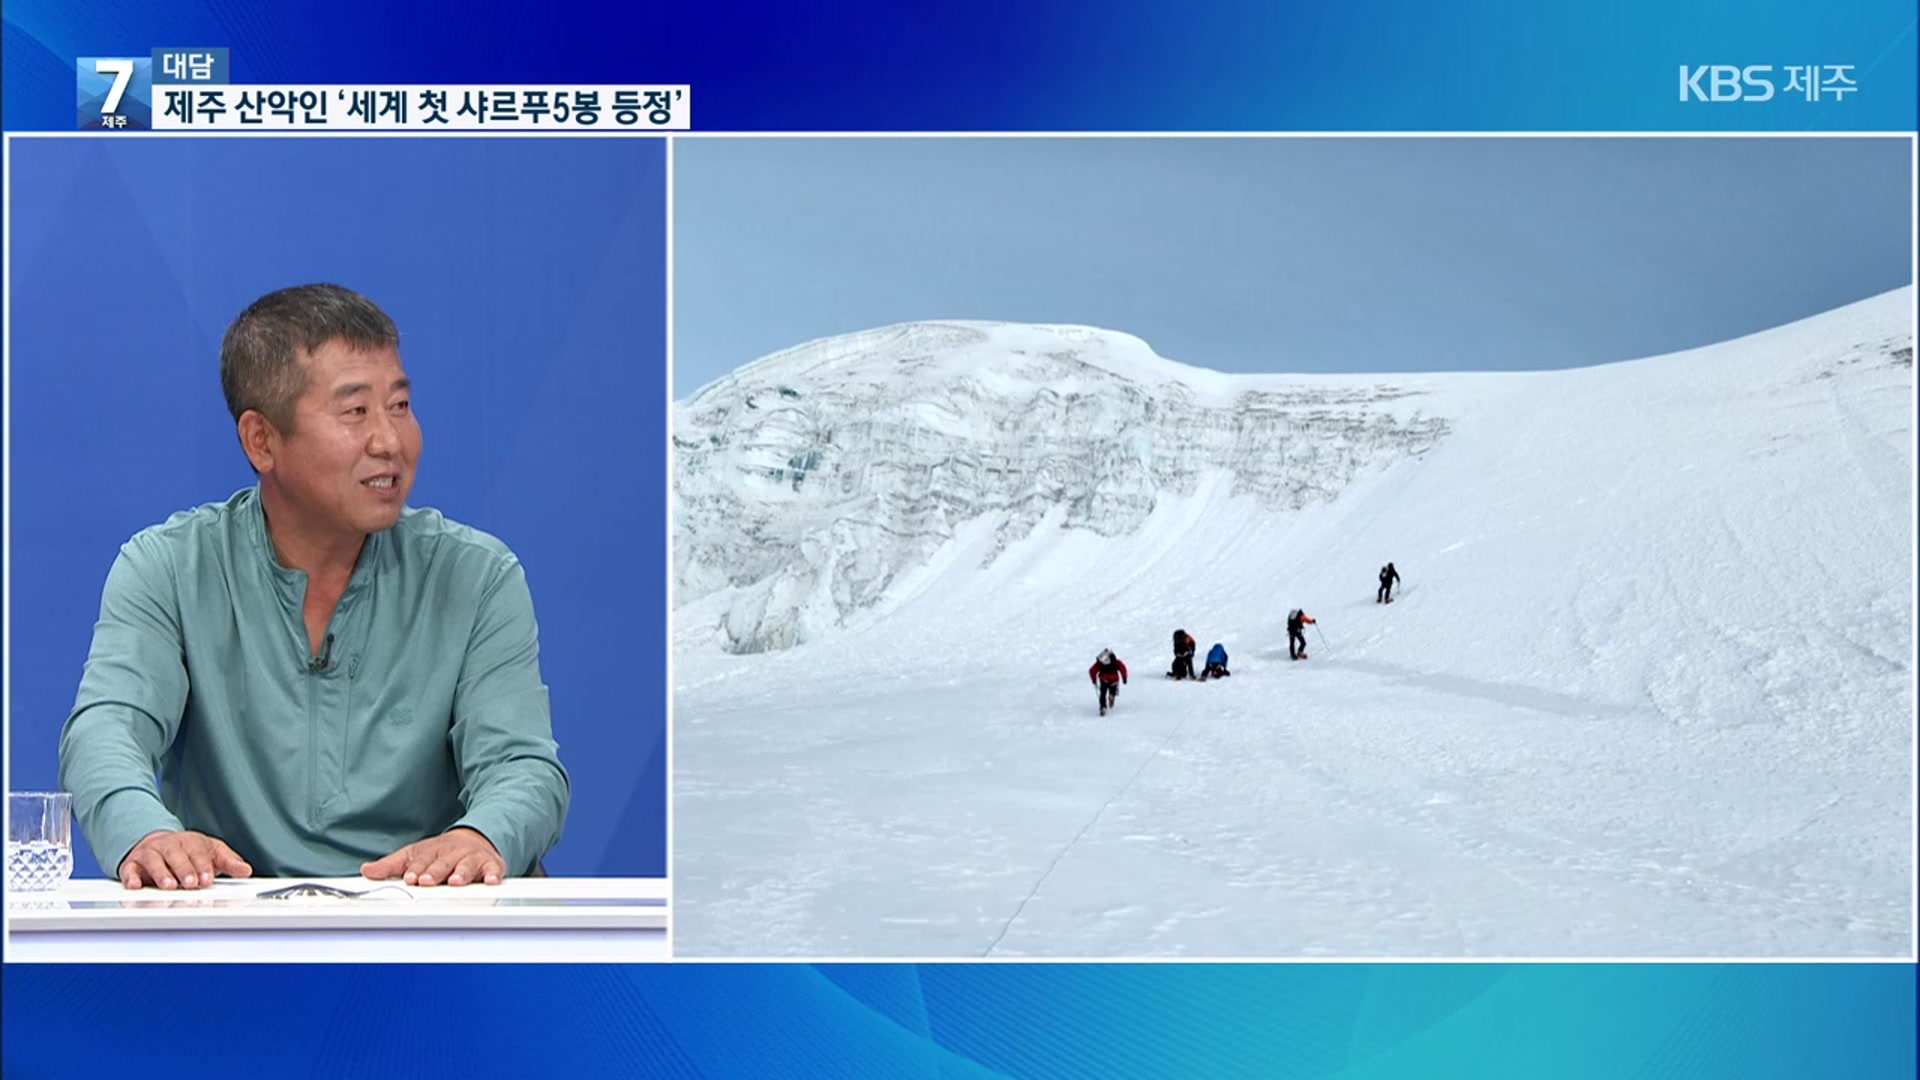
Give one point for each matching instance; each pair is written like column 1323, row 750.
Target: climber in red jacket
column 1107, row 674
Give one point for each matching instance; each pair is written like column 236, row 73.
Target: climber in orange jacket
column 1296, row 639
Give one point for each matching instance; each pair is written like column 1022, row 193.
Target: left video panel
column 337, row 545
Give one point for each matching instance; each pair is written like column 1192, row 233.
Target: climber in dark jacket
column 1183, row 646
column 1388, row 575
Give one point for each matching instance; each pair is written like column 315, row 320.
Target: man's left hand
column 455, row 857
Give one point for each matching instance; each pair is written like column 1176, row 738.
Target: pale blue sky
column 1285, row 254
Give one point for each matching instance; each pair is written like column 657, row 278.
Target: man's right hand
column 180, row 860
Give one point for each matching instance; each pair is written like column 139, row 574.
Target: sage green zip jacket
column 428, row 711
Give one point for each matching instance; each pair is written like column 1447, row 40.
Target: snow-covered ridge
column 807, row 482
column 1646, row 688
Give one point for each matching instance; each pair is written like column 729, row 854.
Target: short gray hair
column 260, row 365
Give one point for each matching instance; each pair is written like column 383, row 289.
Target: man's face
column 349, row 459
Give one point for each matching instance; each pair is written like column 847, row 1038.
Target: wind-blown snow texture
column 1647, row 689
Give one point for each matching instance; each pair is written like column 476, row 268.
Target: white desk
column 558, row 920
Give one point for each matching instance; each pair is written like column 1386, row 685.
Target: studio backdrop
column 527, row 277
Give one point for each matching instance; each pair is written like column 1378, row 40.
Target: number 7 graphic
column 122, row 72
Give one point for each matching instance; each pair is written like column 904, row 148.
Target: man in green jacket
column 325, row 681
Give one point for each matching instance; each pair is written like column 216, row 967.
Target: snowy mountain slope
column 1648, row 689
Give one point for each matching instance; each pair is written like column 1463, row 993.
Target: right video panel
column 1293, row 547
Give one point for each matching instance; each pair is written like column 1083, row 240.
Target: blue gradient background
column 528, row 279
column 1485, row 1020
column 1109, row 65
column 1477, row 65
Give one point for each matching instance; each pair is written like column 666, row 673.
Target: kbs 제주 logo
column 1757, row 82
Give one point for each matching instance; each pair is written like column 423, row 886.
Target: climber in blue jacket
column 1216, row 663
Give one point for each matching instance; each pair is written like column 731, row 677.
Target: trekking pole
column 1323, row 636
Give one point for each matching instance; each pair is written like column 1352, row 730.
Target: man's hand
column 456, row 857
column 180, row 860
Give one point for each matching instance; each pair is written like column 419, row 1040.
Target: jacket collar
column 376, row 553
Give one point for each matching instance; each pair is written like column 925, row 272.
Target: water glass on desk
column 39, row 840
